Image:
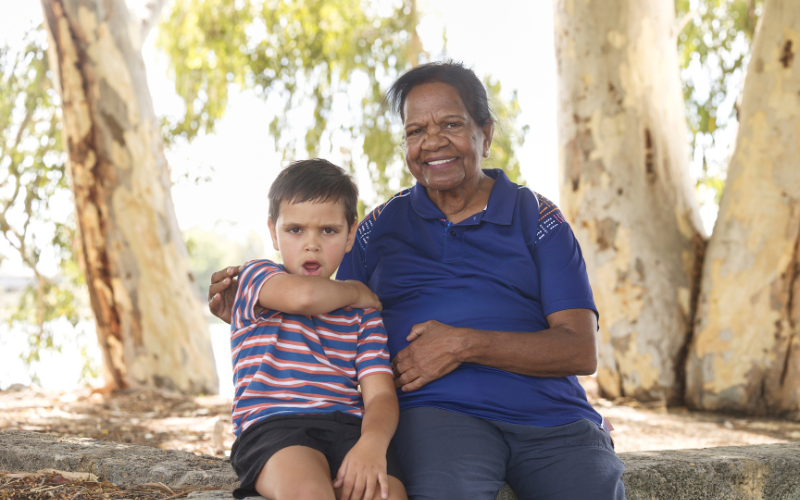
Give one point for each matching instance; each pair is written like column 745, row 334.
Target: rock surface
column 763, row 472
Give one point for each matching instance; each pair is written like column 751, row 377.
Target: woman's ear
column 488, row 134
column 274, row 234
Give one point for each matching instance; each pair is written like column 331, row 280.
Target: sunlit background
column 221, row 179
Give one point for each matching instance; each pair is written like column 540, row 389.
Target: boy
column 301, row 344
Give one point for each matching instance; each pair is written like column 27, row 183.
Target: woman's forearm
column 555, row 352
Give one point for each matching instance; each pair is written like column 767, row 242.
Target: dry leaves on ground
column 59, row 485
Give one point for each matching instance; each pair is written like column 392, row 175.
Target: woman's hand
column 221, row 295
column 363, row 467
column 434, row 352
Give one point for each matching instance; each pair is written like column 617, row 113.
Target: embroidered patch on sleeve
column 366, row 225
column 549, row 217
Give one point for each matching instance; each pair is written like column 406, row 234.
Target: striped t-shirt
column 289, row 363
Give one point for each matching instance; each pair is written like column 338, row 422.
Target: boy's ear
column 351, row 235
column 274, row 234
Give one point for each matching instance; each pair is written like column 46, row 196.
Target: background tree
column 33, row 193
column 358, row 38
column 309, row 51
column 746, row 351
column 149, row 323
column 713, row 49
column 625, row 187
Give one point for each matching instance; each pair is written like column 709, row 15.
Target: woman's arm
column 221, row 295
column 566, row 348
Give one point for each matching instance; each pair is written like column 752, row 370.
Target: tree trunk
column 150, row 324
column 625, row 187
column 746, row 352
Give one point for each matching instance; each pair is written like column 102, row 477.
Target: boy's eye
column 293, row 230
column 328, row 230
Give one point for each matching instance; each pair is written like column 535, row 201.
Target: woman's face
column 443, row 144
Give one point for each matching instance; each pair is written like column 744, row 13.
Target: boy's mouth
column 311, row 268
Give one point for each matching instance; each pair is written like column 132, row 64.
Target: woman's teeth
column 439, row 162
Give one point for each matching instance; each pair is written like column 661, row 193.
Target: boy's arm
column 310, row 295
column 365, row 464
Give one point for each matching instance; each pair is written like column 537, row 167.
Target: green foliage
column 210, row 251
column 507, row 138
column 714, row 47
column 308, row 54
column 32, row 177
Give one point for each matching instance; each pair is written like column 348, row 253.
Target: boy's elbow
column 303, row 299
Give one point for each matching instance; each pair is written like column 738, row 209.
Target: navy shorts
column 332, row 434
column 448, row 455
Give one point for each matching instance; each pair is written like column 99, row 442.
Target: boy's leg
column 296, row 473
column 446, row 455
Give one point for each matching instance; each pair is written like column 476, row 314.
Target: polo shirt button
column 453, row 233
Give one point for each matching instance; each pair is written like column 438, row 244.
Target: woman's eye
column 416, row 131
column 453, row 125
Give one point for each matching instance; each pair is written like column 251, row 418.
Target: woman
column 488, row 309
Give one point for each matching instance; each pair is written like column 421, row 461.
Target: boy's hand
column 366, row 298
column 362, row 468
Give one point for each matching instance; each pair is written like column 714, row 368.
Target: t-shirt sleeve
column 372, row 355
column 251, row 279
column 563, row 281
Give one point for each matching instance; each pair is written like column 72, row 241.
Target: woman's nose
column 434, row 140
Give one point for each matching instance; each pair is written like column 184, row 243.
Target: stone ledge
column 764, row 472
column 118, row 463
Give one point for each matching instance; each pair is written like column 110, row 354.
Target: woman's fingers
column 414, row 385
column 218, row 287
column 417, row 330
column 228, row 272
column 406, row 378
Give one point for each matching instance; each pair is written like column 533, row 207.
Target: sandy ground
column 202, row 424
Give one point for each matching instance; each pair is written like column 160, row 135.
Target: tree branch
column 682, row 24
column 151, row 16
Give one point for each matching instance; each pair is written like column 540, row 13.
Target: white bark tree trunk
column 745, row 354
column 150, row 324
column 625, row 187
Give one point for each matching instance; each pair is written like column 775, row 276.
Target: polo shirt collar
column 500, row 209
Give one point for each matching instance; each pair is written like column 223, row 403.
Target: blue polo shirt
column 505, row 268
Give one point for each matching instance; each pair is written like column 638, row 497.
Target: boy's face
column 312, row 237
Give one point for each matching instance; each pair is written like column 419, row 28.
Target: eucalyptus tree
column 150, row 327
column 745, row 355
column 626, row 189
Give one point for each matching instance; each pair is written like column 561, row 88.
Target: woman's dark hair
column 452, row 73
column 314, row 180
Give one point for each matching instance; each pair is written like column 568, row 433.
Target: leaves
column 714, row 47
column 309, row 55
column 33, row 192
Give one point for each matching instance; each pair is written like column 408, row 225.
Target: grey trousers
column 446, row 455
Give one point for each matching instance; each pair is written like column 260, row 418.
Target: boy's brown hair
column 315, row 180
